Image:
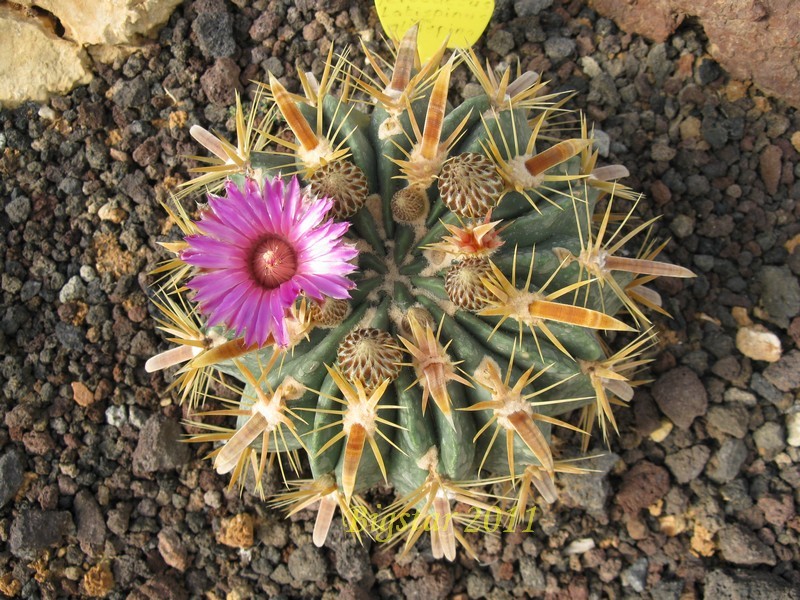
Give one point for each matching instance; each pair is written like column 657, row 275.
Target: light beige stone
column 108, row 22
column 660, row 434
column 793, row 429
column 41, row 64
column 758, row 343
column 672, row 525
column 36, row 63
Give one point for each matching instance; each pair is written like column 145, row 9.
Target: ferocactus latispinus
column 441, row 281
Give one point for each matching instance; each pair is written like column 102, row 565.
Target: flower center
column 273, row 262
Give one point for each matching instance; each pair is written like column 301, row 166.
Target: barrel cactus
column 389, row 284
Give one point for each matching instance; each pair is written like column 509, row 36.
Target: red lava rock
column 770, row 57
column 661, row 193
column 643, row 485
column 265, row 25
column 82, row 395
column 38, row 442
column 505, row 571
column 137, row 313
column 164, row 587
column 578, row 590
column 221, row 81
column 147, row 152
column 18, row 420
column 776, row 511
column 684, row 67
column 48, row 497
column 172, row 550
column 313, row 31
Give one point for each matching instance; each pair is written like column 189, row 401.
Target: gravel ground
column 699, row 496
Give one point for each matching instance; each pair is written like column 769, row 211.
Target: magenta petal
column 312, row 219
column 289, row 292
column 239, row 216
column 291, row 204
column 226, row 288
column 260, row 327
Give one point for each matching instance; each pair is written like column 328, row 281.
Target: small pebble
column 559, row 48
column 11, row 475
column 116, row 415
column 664, row 429
column 727, row 461
column 18, row 209
column 682, row 226
column 602, row 142
column 793, row 429
column 580, row 546
column 769, row 440
column 526, row 8
column 501, row 42
column 742, row 547
column 681, row 396
column 73, row 290
column 707, row 71
column 796, row 140
column 590, row 66
column 758, row 343
column 635, row 576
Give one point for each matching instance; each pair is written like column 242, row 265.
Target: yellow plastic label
column 463, row 20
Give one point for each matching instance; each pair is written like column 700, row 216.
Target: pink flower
column 258, row 250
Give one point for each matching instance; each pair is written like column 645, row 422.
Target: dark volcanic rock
column 81, row 227
column 728, row 420
column 214, row 33
column 785, row 374
column 770, row 58
column 35, row 530
column 525, row 8
column 681, row 396
column 11, row 475
column 160, row 587
column 780, row 294
column 646, row 414
column 159, row 447
column 589, row 491
column 350, row 557
column 742, row 547
column 221, row 81
column 739, row 584
column 132, row 93
column 91, row 523
column 307, row 563
column 688, row 463
column 727, row 461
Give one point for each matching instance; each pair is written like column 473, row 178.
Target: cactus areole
column 409, row 293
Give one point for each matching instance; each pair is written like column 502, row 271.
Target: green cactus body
column 474, row 324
